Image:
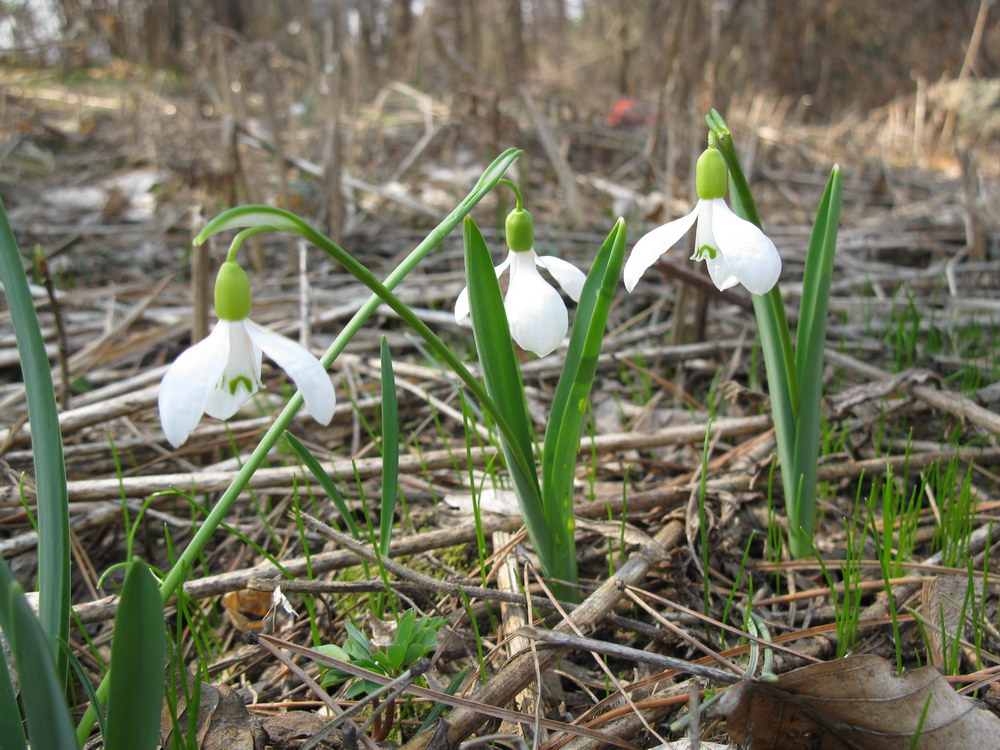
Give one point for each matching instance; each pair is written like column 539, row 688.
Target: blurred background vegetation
column 309, row 102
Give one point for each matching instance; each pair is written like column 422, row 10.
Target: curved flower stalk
column 219, row 374
column 735, row 250
column 535, row 311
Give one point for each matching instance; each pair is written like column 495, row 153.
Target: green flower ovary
column 232, row 292
column 520, row 230
column 710, row 175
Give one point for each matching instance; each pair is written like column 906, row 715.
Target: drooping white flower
column 736, row 251
column 219, row 374
column 535, row 312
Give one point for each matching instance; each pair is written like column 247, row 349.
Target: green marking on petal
column 704, row 250
column 240, row 380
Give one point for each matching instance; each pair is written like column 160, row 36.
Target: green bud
column 232, row 292
column 710, row 175
column 520, row 228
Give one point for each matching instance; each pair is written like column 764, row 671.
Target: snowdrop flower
column 535, row 311
column 735, row 250
column 219, row 374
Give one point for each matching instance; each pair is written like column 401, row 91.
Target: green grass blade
column 810, row 340
column 569, row 405
column 46, row 446
column 34, row 656
column 316, row 469
column 138, row 654
column 390, row 450
column 504, row 385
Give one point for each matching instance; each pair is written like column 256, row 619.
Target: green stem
column 241, row 237
column 518, row 198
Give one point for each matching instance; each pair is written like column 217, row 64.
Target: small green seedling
column 414, row 638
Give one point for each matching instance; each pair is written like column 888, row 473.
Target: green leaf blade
column 390, row 449
column 138, row 654
column 46, row 446
column 40, row 683
column 502, row 376
column 810, row 342
column 569, row 404
column 319, row 474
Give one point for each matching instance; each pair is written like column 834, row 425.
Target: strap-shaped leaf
column 46, row 447
column 502, row 376
column 569, row 405
column 390, row 450
column 41, row 688
column 319, row 474
column 11, row 731
column 138, row 653
column 810, row 340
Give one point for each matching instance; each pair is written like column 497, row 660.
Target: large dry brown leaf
column 224, row 723
column 855, row 703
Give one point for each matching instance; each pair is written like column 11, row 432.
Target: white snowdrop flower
column 219, row 374
column 535, row 311
column 736, row 251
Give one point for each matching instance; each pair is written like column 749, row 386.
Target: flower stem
column 519, row 199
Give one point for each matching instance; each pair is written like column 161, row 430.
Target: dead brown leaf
column 247, row 608
column 224, row 723
column 287, row 730
column 855, row 703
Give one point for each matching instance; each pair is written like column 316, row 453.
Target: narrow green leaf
column 774, row 332
column 316, row 469
column 504, row 386
column 569, row 404
column 810, row 340
column 11, row 730
column 438, row 708
column 138, row 654
column 390, row 450
column 41, row 686
column 46, row 447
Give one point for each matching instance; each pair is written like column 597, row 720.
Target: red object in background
column 627, row 113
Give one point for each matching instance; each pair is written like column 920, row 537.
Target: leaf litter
column 897, row 287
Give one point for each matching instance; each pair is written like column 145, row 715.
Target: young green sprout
column 735, row 250
column 536, row 313
column 219, row 374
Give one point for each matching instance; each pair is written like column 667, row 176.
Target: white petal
column 653, row 244
column 536, row 313
column 569, row 277
column 707, row 246
column 462, row 314
column 188, row 384
column 302, row 367
column 749, row 254
column 241, row 378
